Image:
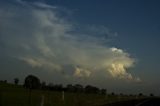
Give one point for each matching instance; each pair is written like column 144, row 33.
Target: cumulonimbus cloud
column 35, row 34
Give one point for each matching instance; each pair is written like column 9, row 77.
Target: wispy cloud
column 42, row 39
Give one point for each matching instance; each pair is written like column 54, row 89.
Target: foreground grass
column 12, row 95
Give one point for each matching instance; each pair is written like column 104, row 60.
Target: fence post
column 63, row 96
column 42, row 100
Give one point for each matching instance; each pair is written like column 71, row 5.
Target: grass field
column 12, row 95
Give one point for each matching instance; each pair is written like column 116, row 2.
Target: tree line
column 33, row 82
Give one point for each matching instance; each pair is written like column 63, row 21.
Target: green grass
column 12, row 95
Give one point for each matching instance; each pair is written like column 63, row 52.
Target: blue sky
column 104, row 41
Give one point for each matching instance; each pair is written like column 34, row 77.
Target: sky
column 109, row 44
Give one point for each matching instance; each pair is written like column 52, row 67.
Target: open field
column 138, row 102
column 12, row 95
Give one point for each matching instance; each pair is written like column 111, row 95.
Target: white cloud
column 43, row 5
column 116, row 50
column 45, row 40
column 41, row 63
column 32, row 62
column 79, row 72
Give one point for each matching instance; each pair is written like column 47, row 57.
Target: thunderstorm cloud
column 36, row 33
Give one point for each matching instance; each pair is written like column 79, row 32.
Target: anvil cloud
column 36, row 34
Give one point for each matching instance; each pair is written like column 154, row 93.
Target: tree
column 50, row 86
column 58, row 87
column 140, row 94
column 5, row 81
column 78, row 88
column 121, row 94
column 43, row 85
column 32, row 82
column 16, row 81
column 70, row 88
column 91, row 89
column 103, row 91
column 113, row 94
column 151, row 95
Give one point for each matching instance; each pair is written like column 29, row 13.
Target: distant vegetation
column 36, row 93
column 33, row 82
column 16, row 81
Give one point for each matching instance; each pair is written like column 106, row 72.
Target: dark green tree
column 32, row 82
column 113, row 94
column 16, row 81
column 140, row 94
column 151, row 95
column 103, row 91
